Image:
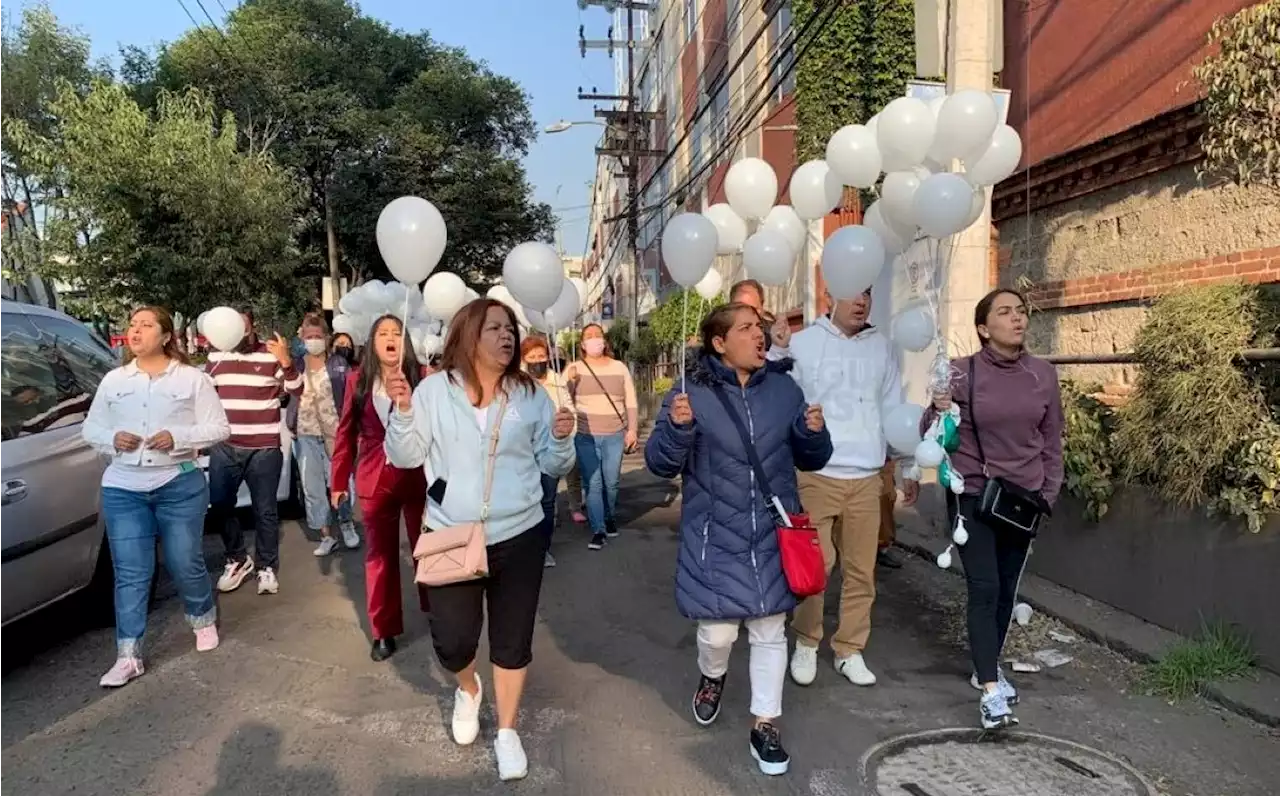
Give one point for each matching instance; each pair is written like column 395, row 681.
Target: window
column 781, row 36
column 690, row 18
column 733, row 21
column 695, row 142
column 720, row 116
column 28, row 388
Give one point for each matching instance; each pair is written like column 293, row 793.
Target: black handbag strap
column 600, row 384
column 973, row 419
column 752, row 454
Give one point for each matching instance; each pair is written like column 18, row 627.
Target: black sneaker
column 597, row 542
column 706, row 701
column 610, row 528
column 888, row 559
column 766, row 748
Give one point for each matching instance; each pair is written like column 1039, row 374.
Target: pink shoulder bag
column 458, row 553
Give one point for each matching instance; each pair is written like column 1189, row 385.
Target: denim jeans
column 174, row 514
column 600, row 459
column 314, row 468
column 260, row 469
column 550, row 486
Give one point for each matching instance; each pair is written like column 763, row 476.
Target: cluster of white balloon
column 363, row 306
column 937, row 159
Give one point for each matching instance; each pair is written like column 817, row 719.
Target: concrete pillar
column 969, row 65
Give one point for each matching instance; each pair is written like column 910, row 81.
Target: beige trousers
column 846, row 513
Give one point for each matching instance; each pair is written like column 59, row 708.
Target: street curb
column 1256, row 698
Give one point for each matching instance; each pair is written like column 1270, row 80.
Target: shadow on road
column 250, row 763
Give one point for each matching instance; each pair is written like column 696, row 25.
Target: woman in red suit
column 385, row 493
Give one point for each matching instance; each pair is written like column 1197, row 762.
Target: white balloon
column 941, row 204
column 345, row 324
column 560, row 315
column 688, row 247
column 351, row 304
column 977, row 203
column 896, row 194
column 894, row 241
column 905, row 133
column 966, row 121
column 852, row 258
column 944, row 558
column 902, row 427
column 815, row 190
column 581, row 287
column 200, row 322
column 929, row 454
column 913, row 329
column 224, row 328
column 471, row 296
column 500, row 293
column 999, row 160
column 783, row 220
column 731, row 230
column 751, row 186
column 767, row 257
column 445, row 294
column 873, row 124
column 710, row 285
column 855, row 156
column 534, row 275
column 411, row 238
column 431, row 346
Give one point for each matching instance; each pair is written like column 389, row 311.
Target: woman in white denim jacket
column 152, row 416
column 445, row 425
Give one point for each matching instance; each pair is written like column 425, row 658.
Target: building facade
column 717, row 74
column 1109, row 209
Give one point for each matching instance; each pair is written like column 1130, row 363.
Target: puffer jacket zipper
column 755, row 568
column 706, row 530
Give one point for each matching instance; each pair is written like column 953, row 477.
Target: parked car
column 51, row 528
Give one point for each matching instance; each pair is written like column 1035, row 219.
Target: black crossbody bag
column 1003, row 505
column 616, row 410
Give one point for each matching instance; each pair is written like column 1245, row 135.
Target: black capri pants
column 511, row 592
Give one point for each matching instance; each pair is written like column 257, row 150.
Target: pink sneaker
column 126, row 669
column 579, row 517
column 207, row 638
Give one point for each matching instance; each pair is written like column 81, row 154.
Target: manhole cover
column 962, row 762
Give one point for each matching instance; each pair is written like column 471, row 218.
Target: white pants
column 768, row 638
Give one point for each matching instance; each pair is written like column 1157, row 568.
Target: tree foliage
column 156, row 207
column 674, row 320
column 859, row 63
column 362, row 114
column 1241, row 80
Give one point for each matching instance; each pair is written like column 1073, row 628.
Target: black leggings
column 511, row 592
column 993, row 561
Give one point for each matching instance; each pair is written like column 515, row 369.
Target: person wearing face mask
column 487, row 433
column 851, row 369
column 1010, row 430
column 604, row 397
column 729, row 571
column 343, row 346
column 537, row 363
column 312, row 418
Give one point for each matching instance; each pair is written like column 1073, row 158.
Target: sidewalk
column 291, row 703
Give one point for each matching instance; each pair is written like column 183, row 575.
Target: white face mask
column 594, row 347
column 315, row 347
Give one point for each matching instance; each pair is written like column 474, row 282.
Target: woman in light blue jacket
column 444, row 425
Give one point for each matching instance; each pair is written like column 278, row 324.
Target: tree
column 38, row 57
column 1241, row 79
column 362, row 114
column 158, row 208
column 859, row 63
column 675, row 320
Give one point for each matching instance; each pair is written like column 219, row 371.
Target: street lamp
column 564, row 124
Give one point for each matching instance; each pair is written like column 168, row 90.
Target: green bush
column 1087, row 460
column 662, row 385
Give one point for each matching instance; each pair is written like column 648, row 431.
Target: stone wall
column 1089, row 264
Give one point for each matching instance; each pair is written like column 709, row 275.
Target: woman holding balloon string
column 536, row 355
column 386, row 493
column 1010, row 430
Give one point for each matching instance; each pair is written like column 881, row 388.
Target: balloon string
column 684, row 335
column 555, row 367
column 404, row 327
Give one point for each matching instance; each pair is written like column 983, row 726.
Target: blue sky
column 533, row 41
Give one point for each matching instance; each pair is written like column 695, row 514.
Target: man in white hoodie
column 851, row 369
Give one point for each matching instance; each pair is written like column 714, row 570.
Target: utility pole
column 633, row 141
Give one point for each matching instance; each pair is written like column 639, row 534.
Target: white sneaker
column 349, row 536
column 126, row 669
column 548, row 561
column 234, row 573
column 327, row 546
column 267, row 583
column 855, row 668
column 804, row 664
column 512, row 762
column 466, row 717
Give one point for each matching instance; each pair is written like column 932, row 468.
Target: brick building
column 1111, row 211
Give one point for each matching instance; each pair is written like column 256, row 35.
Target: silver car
column 51, row 523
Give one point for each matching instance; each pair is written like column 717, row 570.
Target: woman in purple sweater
column 1018, row 406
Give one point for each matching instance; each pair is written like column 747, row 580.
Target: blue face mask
column 297, row 349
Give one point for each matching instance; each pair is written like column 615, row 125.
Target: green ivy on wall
column 861, row 61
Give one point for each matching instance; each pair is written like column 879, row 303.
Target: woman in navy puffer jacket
column 729, row 569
